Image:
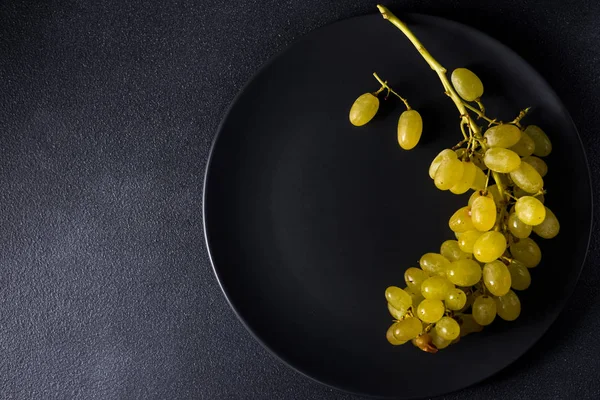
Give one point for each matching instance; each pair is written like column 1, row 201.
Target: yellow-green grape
column 519, row 275
column 496, row 278
column 467, row 179
column 527, row 252
column 410, row 127
column 501, row 160
column 451, row 250
column 483, row 213
column 464, row 272
column 549, row 228
column 398, row 298
column 492, row 192
column 540, row 165
column 489, row 246
column 448, row 173
column 480, row 179
column 468, row 325
column 430, row 310
column 414, row 278
column 435, row 164
column 527, row 178
column 518, row 228
column 447, row 328
column 457, row 235
column 525, row 146
column 364, row 109
column 467, row 84
column 407, row 329
column 484, row 310
column 397, row 314
column 530, row 210
column 543, row 146
column 437, row 341
column 508, row 306
column 389, row 335
column 436, row 288
column 518, row 193
column 434, row 264
column 461, row 221
column 504, row 135
column 467, row 240
column 456, row 299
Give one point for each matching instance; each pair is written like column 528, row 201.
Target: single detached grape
column 364, row 109
column 489, row 246
column 410, row 127
column 398, row 298
column 543, row 146
column 435, row 164
column 483, row 213
column 480, row 178
column 467, row 179
column 434, row 264
column 389, row 335
column 527, row 252
column 508, row 306
column 519, row 275
column 414, row 277
column 501, row 160
column 456, row 299
column 549, row 228
column 540, row 165
column 430, row 310
column 448, row 173
column 484, row 310
column 527, row 178
column 451, row 250
column 468, row 325
column 407, row 329
column 464, row 273
column 504, row 135
column 530, row 210
column 467, row 84
column 461, row 221
column 436, row 287
column 397, row 314
column 525, row 147
column 496, row 278
column 447, row 328
column 518, row 228
column 467, row 240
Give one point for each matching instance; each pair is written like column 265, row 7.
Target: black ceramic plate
column 309, row 219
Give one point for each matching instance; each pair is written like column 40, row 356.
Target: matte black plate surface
column 309, row 219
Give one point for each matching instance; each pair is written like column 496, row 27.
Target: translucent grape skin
column 448, row 173
column 456, row 299
column 397, row 314
column 467, row 240
column 483, row 213
column 508, row 307
column 464, row 273
column 430, row 310
column 414, row 278
column 416, row 296
column 364, row 109
column 501, row 160
column 484, row 310
column 436, row 288
column 496, row 278
column 518, row 228
column 525, row 147
column 437, row 341
column 504, row 135
column 489, row 246
column 527, row 252
column 434, row 264
column 519, row 275
column 467, row 84
column 549, row 228
column 461, row 220
column 543, row 146
column 480, row 178
column 530, row 210
column 407, row 329
column 398, row 298
column 467, row 179
column 447, row 328
column 435, row 164
column 540, row 165
column 410, row 127
column 527, row 178
column 451, row 250
column 389, row 335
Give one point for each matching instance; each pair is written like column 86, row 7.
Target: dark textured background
column 107, row 112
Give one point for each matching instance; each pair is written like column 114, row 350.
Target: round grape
column 496, row 278
column 364, row 109
column 410, row 127
column 527, row 252
column 397, row 314
column 451, row 250
column 530, row 210
column 398, row 298
column 540, row 165
column 508, row 306
column 549, row 228
column 414, row 277
column 436, row 288
column 484, row 310
column 464, row 273
column 435, row 164
column 483, row 213
column 430, row 310
column 448, row 173
column 518, row 228
column 389, row 335
column 527, row 178
column 407, row 329
column 504, row 135
column 461, row 221
column 447, row 328
column 437, row 341
column 489, row 246
column 525, row 147
column 467, row 84
column 467, row 179
column 501, row 160
column 519, row 275
column 543, row 146
column 434, row 264
column 456, row 299
column 467, row 240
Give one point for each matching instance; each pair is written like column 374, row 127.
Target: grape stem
column 481, row 115
column 522, row 114
column 441, row 72
column 390, row 90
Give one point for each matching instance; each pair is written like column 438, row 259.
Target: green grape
column 416, row 295
column 519, row 275
column 489, row 246
column 397, row 314
column 508, row 306
column 410, row 127
column 530, row 210
column 389, row 335
column 434, row 264
column 527, row 178
column 435, row 164
column 448, row 173
column 518, row 193
column 461, row 221
column 480, row 179
column 436, row 287
column 525, row 147
column 504, row 135
column 543, row 146
column 407, row 329
column 549, row 228
column 518, row 228
column 467, row 179
column 501, row 160
column 430, row 310
column 364, row 109
column 451, row 250
column 484, row 310
column 456, row 299
column 496, row 278
column 437, row 341
column 447, row 328
column 467, row 240
column 464, row 273
column 483, row 213
column 398, row 298
column 537, row 163
column 468, row 325
column 414, row 277
column 526, row 251
column 457, row 235
column 467, row 84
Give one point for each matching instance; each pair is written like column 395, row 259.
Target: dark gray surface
column 107, row 111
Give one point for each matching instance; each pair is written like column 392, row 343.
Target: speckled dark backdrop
column 107, row 112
